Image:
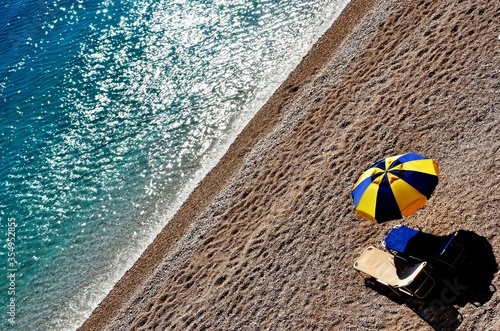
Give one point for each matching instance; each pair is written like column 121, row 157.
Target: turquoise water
column 110, row 113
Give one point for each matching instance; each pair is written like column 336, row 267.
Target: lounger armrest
column 405, row 291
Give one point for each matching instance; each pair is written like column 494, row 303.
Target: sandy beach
column 268, row 239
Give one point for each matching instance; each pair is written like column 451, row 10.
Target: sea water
column 110, row 113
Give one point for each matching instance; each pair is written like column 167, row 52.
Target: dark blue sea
column 110, row 113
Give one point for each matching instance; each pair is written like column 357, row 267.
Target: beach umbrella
column 395, row 187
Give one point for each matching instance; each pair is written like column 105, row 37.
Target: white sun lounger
column 395, row 272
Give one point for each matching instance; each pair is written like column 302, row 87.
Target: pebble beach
column 268, row 239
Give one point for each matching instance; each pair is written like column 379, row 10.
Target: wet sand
column 268, row 239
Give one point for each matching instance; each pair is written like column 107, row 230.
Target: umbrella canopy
column 395, row 187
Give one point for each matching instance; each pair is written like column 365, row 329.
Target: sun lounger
column 419, row 246
column 395, row 272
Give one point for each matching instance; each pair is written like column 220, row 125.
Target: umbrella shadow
column 471, row 282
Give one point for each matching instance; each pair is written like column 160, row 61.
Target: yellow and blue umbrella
column 395, row 187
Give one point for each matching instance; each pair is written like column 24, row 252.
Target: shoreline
column 258, row 127
column 268, row 238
